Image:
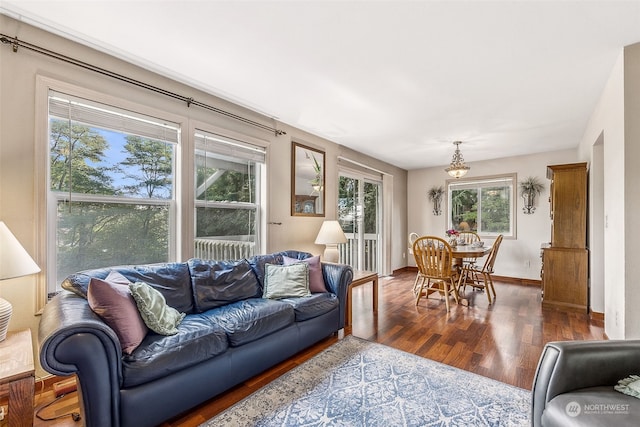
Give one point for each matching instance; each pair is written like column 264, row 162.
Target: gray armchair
column 574, row 384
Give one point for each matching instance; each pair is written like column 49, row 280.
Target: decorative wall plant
column 529, row 189
column 435, row 196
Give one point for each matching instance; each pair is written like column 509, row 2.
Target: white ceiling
column 398, row 80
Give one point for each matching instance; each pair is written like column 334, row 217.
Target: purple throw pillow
column 316, row 279
column 112, row 301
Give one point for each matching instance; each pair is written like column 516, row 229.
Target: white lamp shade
column 330, row 233
column 14, row 259
column 14, row 262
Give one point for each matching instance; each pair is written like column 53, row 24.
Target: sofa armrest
column 572, row 365
column 337, row 278
column 74, row 340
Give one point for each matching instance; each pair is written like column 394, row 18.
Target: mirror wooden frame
column 307, row 180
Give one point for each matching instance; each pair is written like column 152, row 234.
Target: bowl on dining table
column 478, row 244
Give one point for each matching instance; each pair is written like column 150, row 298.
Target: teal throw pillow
column 286, row 281
column 153, row 308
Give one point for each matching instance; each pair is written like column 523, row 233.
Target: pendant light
column 458, row 168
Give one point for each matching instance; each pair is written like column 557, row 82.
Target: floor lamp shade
column 331, row 235
column 14, row 262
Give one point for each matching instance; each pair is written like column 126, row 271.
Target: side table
column 360, row 277
column 17, row 377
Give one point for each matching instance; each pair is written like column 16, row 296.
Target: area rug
column 360, row 383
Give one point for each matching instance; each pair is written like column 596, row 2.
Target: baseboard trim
column 518, row 281
column 503, row 279
column 594, row 315
column 406, row 268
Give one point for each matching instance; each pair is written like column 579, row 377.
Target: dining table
column 461, row 252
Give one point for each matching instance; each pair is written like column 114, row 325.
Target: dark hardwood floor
column 502, row 341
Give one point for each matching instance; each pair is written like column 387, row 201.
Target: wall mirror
column 307, row 180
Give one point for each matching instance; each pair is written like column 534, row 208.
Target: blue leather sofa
column 213, row 351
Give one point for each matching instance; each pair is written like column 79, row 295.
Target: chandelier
column 457, row 168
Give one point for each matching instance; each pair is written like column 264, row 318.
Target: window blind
column 68, row 107
column 210, row 142
column 503, row 181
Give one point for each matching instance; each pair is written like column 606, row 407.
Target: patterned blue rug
column 360, row 383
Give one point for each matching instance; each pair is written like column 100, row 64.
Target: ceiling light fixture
column 458, row 168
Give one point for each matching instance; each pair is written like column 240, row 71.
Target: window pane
column 348, row 190
column 495, row 210
column 371, row 208
column 90, row 160
column 224, row 180
column 93, row 235
column 226, row 223
column 485, row 205
column 464, row 209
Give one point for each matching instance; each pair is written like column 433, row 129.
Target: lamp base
column 5, row 315
column 331, row 253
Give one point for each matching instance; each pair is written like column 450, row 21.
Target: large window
column 111, row 187
column 228, row 180
column 484, row 205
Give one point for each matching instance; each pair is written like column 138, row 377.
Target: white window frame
column 46, row 202
column 244, row 143
column 510, row 180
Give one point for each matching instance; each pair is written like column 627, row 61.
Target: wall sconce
column 435, row 196
column 529, row 188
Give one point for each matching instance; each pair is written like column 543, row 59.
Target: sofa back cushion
column 172, row 280
column 218, row 283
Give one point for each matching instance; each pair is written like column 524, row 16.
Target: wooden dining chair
column 481, row 278
column 412, row 238
column 468, row 237
column 435, row 270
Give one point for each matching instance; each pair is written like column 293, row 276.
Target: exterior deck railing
column 348, row 252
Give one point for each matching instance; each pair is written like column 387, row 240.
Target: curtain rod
column 15, row 44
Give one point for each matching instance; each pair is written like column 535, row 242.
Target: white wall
column 631, row 194
column 21, row 209
column 606, row 127
column 518, row 257
column 614, row 124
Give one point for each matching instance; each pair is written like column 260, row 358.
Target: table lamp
column 14, row 262
column 330, row 235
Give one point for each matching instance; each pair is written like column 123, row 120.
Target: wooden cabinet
column 565, row 260
column 565, row 278
column 568, row 199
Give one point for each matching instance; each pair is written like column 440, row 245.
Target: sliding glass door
column 359, row 214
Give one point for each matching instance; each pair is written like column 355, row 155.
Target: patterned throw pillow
column 155, row 312
column 286, row 281
column 112, row 301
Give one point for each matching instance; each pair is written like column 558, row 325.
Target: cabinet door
column 569, row 205
column 565, row 278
